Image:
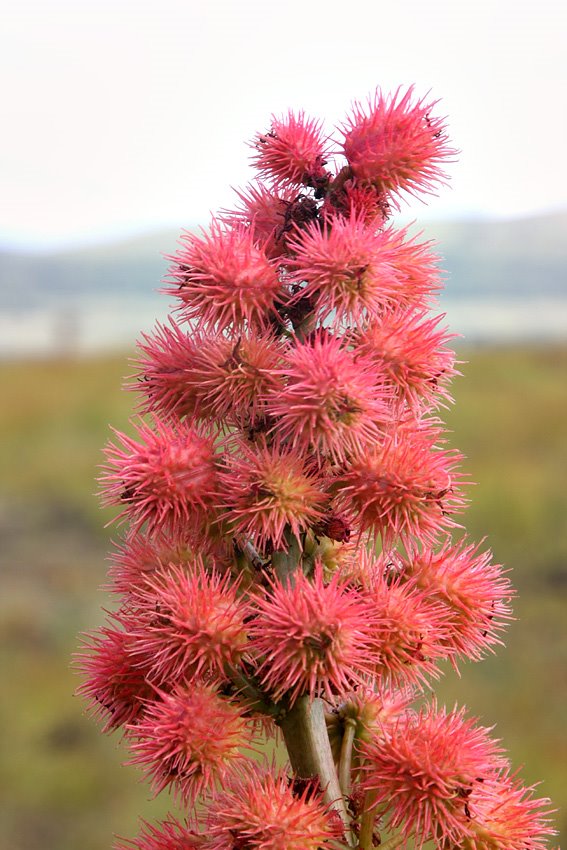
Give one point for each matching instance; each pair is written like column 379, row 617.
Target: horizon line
column 116, row 236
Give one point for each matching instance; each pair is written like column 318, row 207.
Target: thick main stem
column 303, row 726
column 305, row 735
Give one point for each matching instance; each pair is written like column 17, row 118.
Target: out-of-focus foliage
column 60, row 782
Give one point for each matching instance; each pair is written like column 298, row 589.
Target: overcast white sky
column 125, row 115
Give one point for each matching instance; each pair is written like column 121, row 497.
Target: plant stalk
column 286, row 563
column 345, row 762
column 366, row 834
column 309, row 750
column 303, row 726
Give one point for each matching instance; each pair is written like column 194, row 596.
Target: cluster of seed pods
column 289, row 560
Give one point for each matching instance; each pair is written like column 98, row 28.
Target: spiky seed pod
column 270, row 214
column 424, row 770
column 311, row 638
column 165, row 371
column 405, row 487
column 167, row 480
column 293, row 151
column 348, row 269
column 352, row 198
column 333, row 404
column 208, row 377
column 115, row 684
column 261, row 811
column 225, row 281
column 187, row 623
column 235, row 377
column 169, row 834
column 417, row 266
column 267, row 488
column 396, row 144
column 410, row 633
column 474, row 593
column 139, row 557
column 409, row 351
column 503, row 814
column 189, row 740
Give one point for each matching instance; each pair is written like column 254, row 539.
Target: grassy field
column 61, row 784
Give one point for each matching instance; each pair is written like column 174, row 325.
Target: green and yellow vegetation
column 61, row 782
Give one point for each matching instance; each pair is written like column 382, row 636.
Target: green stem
column 366, row 835
column 286, row 563
column 309, row 750
column 345, row 761
column 257, row 700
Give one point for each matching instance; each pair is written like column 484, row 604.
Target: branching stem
column 303, row 726
column 309, row 750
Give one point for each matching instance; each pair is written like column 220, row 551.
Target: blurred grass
column 61, row 784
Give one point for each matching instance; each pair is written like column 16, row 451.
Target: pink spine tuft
column 311, row 638
column 167, row 480
column 396, row 144
column 293, row 151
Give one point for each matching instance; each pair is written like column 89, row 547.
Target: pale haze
column 120, row 117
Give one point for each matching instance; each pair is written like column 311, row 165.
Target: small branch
column 254, row 557
column 257, row 699
column 366, row 835
column 345, row 761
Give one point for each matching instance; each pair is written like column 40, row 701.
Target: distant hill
column 500, row 259
column 521, row 258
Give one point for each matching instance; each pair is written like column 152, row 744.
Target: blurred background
column 124, row 122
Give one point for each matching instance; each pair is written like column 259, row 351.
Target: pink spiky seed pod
column 261, row 811
column 410, row 632
column 209, row 376
column 409, row 351
column 169, row 834
column 503, row 814
column 187, row 623
column 267, row 488
column 293, row 151
column 115, row 685
column 406, row 487
column 139, row 557
column 473, row 591
column 167, row 480
column 396, row 144
column 236, row 376
column 347, row 268
column 272, row 215
column 310, row 637
column 165, row 372
column 417, row 266
column 351, row 198
column 332, row 404
column 189, row 740
column 424, row 769
column 225, row 281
